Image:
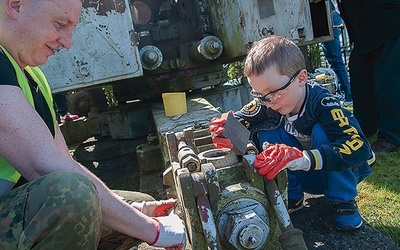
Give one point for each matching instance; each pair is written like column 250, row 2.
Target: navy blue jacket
column 348, row 146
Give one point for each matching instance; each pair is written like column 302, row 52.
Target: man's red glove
column 216, row 129
column 158, row 208
column 278, row 157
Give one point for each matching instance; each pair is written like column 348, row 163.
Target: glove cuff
column 158, row 232
column 315, row 159
column 307, row 164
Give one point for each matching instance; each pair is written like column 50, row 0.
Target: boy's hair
column 274, row 50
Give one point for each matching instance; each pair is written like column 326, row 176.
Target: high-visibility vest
column 8, row 172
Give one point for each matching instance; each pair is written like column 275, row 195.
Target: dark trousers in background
column 375, row 85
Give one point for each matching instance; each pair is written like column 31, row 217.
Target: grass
column 379, row 196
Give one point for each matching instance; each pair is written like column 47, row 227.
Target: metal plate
column 238, row 23
column 103, row 49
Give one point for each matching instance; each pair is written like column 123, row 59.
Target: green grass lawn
column 379, row 196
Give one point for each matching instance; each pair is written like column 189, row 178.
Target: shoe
column 294, row 205
column 381, row 145
column 346, row 216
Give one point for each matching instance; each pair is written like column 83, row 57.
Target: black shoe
column 381, row 145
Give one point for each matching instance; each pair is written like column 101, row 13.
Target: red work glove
column 221, row 142
column 278, row 157
column 158, row 208
column 217, row 126
column 216, row 129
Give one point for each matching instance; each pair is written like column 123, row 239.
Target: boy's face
column 282, row 93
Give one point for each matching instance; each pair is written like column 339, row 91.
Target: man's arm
column 29, row 146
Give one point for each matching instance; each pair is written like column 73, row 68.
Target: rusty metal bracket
column 205, row 212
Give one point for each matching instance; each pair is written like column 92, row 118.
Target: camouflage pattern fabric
column 56, row 211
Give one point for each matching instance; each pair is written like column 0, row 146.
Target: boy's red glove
column 216, row 129
column 217, row 126
column 278, row 157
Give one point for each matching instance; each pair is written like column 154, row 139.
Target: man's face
column 45, row 26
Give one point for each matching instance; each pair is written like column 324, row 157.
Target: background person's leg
column 333, row 54
column 387, row 89
column 362, row 89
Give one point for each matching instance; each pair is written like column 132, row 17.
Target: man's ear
column 12, row 8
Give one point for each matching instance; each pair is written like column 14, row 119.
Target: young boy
column 303, row 127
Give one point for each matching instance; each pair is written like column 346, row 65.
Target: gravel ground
column 317, row 224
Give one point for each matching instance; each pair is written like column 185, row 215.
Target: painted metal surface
column 103, row 49
column 240, row 22
column 183, row 44
column 224, row 202
column 244, row 223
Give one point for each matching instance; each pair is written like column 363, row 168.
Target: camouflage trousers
column 57, row 211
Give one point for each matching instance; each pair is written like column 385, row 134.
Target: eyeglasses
column 272, row 96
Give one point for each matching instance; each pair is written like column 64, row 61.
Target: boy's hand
column 221, row 142
column 217, row 126
column 216, row 129
column 278, row 157
column 171, row 232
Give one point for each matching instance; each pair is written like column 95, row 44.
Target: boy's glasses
column 277, row 93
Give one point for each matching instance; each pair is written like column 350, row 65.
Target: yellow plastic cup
column 174, row 103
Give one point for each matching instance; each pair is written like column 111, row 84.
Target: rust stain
column 104, row 6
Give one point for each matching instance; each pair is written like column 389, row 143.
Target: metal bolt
column 84, row 70
column 246, row 230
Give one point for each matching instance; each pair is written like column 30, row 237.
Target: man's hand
column 171, row 232
column 158, row 208
column 216, row 129
column 278, row 157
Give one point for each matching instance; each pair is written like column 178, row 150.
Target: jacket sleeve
column 254, row 114
column 349, row 147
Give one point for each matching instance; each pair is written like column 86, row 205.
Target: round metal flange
column 219, row 157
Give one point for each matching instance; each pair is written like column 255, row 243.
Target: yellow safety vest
column 7, row 172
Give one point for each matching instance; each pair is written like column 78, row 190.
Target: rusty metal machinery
column 225, row 203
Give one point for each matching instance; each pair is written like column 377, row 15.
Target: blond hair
column 274, row 50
